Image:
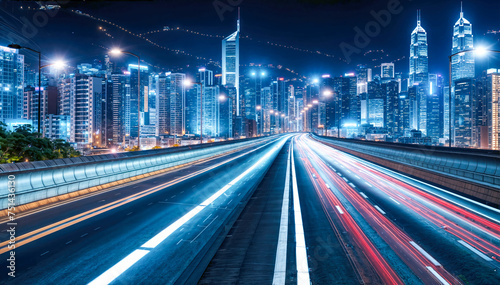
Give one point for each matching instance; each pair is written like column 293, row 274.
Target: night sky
column 314, row 25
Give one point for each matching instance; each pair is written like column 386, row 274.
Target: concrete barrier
column 473, row 172
column 41, row 180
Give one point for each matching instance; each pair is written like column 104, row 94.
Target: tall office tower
column 364, row 76
column 211, row 97
column 291, row 122
column 493, row 107
column 162, row 87
column 435, row 107
column 225, row 120
column 80, row 98
column 446, row 111
column 267, row 107
column 404, row 103
column 278, row 103
column 419, row 72
column 392, row 109
column 465, row 104
column 462, row 65
column 247, row 86
column 387, row 70
column 231, row 62
column 376, row 104
column 133, row 103
column 11, row 84
column 419, row 58
column 256, row 85
column 177, row 101
column 120, row 89
column 412, row 109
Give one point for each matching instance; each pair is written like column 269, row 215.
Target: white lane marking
column 300, row 250
column 129, row 213
column 345, row 179
column 394, row 200
column 230, row 202
column 179, row 242
column 368, row 184
column 97, row 228
column 357, row 177
column 199, row 234
column 363, row 194
column 439, row 277
column 380, row 210
column 69, row 242
column 352, row 185
column 471, row 248
column 84, row 235
column 173, row 196
column 279, row 276
column 424, row 253
column 327, row 186
column 44, row 253
column 150, row 204
column 207, row 218
column 115, row 271
column 339, row 209
column 401, row 197
column 161, row 236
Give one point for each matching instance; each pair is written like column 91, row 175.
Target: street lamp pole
column 450, row 59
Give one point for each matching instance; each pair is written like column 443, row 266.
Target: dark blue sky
column 309, row 24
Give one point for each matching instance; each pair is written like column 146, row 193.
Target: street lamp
column 480, row 51
column 18, row 47
column 117, row 51
column 189, row 83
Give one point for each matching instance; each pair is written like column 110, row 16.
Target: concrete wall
column 40, row 180
column 472, row 172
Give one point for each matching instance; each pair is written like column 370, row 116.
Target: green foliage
column 24, row 144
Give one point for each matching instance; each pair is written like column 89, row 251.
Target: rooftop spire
column 418, row 17
column 238, row 19
column 461, row 9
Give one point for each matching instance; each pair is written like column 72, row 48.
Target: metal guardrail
column 480, row 166
column 40, row 180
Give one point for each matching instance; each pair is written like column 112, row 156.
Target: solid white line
column 115, row 271
column 300, row 249
column 394, row 200
column 380, row 210
column 339, row 209
column 439, row 277
column 363, row 194
column 280, row 263
column 427, row 255
column 471, row 248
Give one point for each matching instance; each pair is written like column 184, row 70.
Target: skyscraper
column 465, row 105
column 419, row 58
column 387, row 70
column 177, row 100
column 493, row 107
column 462, row 65
column 11, row 84
column 231, row 62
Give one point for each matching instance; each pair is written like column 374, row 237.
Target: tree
column 24, row 144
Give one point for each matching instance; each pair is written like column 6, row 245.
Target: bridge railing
column 480, row 167
column 41, row 180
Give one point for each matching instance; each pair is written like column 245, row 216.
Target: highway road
column 293, row 210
